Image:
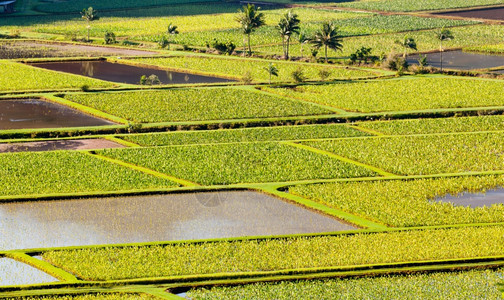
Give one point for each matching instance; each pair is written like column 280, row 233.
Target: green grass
column 98, row 296
column 279, row 254
column 238, row 163
column 237, row 68
column 194, row 105
column 409, row 155
column 417, row 93
column 408, row 203
column 244, row 135
column 441, row 125
column 17, row 76
column 475, row 284
column 67, row 172
column 414, row 5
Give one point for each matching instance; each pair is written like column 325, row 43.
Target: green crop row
column 415, row 5
column 279, row 254
column 67, row 172
column 426, row 40
column 408, row 203
column 475, row 284
column 238, row 163
column 245, row 135
column 97, row 296
column 432, row 154
column 256, row 68
column 17, row 76
column 412, row 93
column 489, row 49
column 441, row 125
column 194, row 105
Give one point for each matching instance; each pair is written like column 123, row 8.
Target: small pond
column 13, row 272
column 476, row 199
column 459, row 60
column 154, row 218
column 122, row 73
column 495, row 13
column 35, row 113
column 82, row 144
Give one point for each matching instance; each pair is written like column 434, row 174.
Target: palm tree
column 302, row 39
column 172, row 29
column 288, row 25
column 272, row 70
column 250, row 19
column 443, row 35
column 327, row 37
column 407, row 43
column 89, row 15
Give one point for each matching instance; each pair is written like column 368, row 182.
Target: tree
column 272, row 70
column 407, row 43
column 443, row 35
column 250, row 19
column 172, row 29
column 89, row 15
column 327, row 37
column 288, row 25
column 302, row 39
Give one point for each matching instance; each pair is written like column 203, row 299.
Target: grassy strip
column 244, row 135
column 408, row 203
column 193, row 105
column 17, row 76
column 432, row 154
column 396, row 94
column 238, row 163
column 477, row 284
column 252, row 256
column 67, row 172
column 42, row 265
column 440, row 125
column 413, row 5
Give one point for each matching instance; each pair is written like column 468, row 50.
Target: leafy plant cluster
column 279, row 254
column 238, row 163
column 30, row 173
column 408, row 203
column 433, row 154
column 245, row 135
column 194, row 105
column 474, row 284
column 397, row 95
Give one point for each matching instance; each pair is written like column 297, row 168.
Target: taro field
column 159, row 150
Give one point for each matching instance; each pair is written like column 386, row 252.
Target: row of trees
column 251, row 19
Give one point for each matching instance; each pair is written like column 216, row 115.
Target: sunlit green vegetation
column 194, row 104
column 397, row 95
column 235, row 163
column 489, row 49
column 278, row 254
column 480, row 284
column 237, row 67
column 414, row 5
column 441, row 125
column 17, row 76
column 408, row 203
column 433, row 154
column 67, row 172
column 97, row 296
column 245, row 135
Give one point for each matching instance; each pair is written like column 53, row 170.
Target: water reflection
column 474, row 200
column 459, row 60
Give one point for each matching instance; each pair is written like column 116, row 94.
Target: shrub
column 298, row 75
column 110, row 38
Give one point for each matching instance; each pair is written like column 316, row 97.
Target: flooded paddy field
column 493, row 13
column 81, row 144
column 154, row 218
column 459, row 60
column 37, row 49
column 16, row 273
column 123, row 73
column 36, row 113
column 474, row 200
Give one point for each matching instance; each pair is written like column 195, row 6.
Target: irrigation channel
column 123, row 73
column 474, row 200
column 36, row 113
column 459, row 60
